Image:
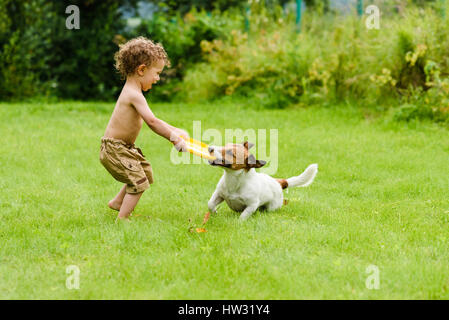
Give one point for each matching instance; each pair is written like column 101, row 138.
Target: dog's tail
column 303, row 180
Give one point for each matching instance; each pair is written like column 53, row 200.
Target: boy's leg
column 116, row 203
column 129, row 203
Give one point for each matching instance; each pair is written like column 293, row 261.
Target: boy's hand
column 180, row 145
column 178, row 142
column 181, row 132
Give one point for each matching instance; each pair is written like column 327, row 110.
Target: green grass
column 380, row 197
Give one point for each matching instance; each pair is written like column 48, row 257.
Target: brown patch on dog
column 283, row 183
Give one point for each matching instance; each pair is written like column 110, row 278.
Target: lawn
column 381, row 197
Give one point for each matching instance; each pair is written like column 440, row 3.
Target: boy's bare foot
column 118, row 219
column 114, row 206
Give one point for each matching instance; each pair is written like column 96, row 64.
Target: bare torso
column 125, row 122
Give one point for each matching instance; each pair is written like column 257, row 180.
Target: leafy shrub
column 24, row 48
column 184, row 6
column 40, row 56
column 83, row 63
column 407, row 112
column 333, row 58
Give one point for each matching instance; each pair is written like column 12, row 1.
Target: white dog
column 246, row 190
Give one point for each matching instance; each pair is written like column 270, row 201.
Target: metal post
column 247, row 11
column 298, row 15
column 360, row 7
column 443, row 8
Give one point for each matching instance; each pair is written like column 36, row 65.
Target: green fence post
column 360, row 7
column 247, row 10
column 443, row 8
column 298, row 15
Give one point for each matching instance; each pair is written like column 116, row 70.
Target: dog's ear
column 260, row 163
column 253, row 163
column 252, row 160
column 248, row 145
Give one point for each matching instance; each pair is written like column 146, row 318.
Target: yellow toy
column 198, row 148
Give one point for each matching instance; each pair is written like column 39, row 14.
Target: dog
column 246, row 190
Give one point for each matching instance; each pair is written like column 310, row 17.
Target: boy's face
column 150, row 75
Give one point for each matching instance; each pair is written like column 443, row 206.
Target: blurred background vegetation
column 244, row 49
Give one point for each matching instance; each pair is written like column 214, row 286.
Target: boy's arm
column 179, row 131
column 160, row 127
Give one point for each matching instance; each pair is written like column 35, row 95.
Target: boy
column 140, row 61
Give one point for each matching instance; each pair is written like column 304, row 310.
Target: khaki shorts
column 126, row 164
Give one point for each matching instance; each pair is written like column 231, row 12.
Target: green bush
column 25, row 48
column 83, row 63
column 334, row 58
column 407, row 112
column 40, row 56
column 183, row 6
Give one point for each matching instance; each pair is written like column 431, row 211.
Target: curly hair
column 138, row 51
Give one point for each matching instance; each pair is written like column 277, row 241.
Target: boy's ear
column 141, row 69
